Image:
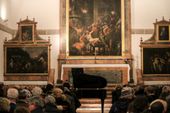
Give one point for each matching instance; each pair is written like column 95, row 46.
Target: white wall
column 45, row 12
column 136, row 51
column 145, row 12
column 2, row 38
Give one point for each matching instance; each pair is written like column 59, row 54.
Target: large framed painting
column 156, row 60
column 26, row 60
column 95, row 27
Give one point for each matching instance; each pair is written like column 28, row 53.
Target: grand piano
column 89, row 86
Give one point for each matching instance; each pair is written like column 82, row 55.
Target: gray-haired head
column 12, row 93
column 37, row 101
column 49, row 99
column 36, row 91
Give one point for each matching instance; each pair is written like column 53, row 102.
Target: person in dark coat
column 62, row 101
column 75, row 103
column 21, row 109
column 2, row 89
column 50, row 106
column 139, row 104
column 121, row 105
column 36, row 104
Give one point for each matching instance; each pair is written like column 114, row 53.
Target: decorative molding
column 40, row 31
column 48, row 31
column 6, row 29
column 25, row 82
column 163, row 82
column 57, row 31
column 142, row 31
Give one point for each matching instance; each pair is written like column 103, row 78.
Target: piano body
column 89, row 86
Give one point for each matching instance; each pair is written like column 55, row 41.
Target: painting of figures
column 156, row 60
column 95, row 27
column 26, row 60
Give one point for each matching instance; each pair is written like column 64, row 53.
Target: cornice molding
column 57, row 31
column 40, row 31
column 6, row 29
column 142, row 31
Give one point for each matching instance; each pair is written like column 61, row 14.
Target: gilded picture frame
column 163, row 33
column 95, row 28
column 27, row 32
column 26, row 60
column 156, row 61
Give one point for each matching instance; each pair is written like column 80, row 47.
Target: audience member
column 165, row 92
column 158, row 106
column 1, row 89
column 150, row 93
column 22, row 110
column 139, row 104
column 37, row 91
column 50, row 106
column 116, row 93
column 62, row 100
column 168, row 103
column 74, row 101
column 70, row 91
column 36, row 104
column 4, row 105
column 139, row 90
column 24, row 94
column 48, row 89
column 12, row 95
column 121, row 105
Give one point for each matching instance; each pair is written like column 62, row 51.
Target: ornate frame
column 155, row 53
column 26, row 56
column 26, row 32
column 92, row 31
column 126, row 40
column 26, row 60
column 163, row 33
column 64, row 57
column 156, row 60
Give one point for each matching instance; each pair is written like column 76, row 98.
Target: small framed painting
column 27, row 32
column 163, row 33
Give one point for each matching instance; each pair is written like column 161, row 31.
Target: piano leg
column 102, row 105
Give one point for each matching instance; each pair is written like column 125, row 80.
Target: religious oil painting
column 95, row 27
column 27, row 33
column 163, row 33
column 25, row 60
column 156, row 61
